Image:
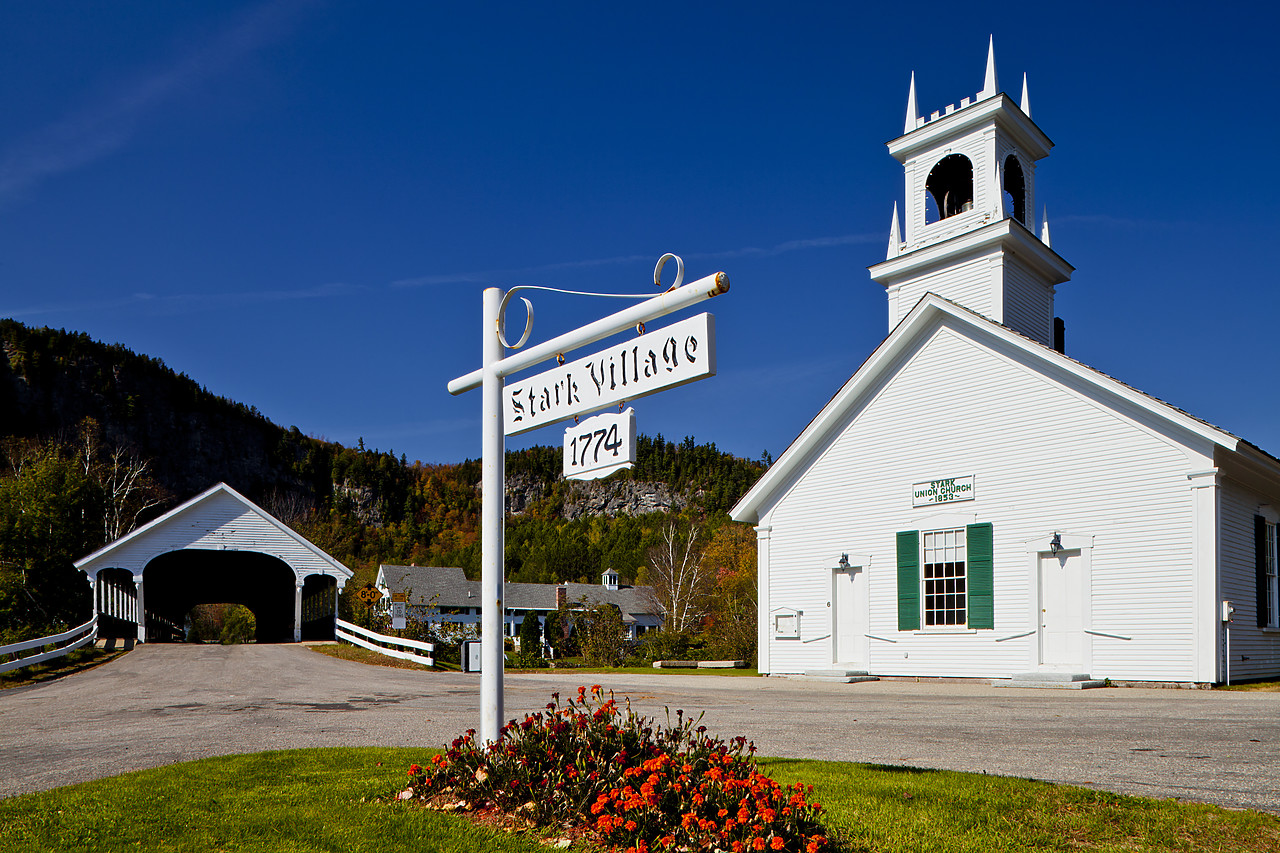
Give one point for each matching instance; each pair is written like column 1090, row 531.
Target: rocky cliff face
column 594, row 497
column 620, row 497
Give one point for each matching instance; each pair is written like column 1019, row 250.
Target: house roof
column 933, row 308
column 187, row 524
column 449, row 587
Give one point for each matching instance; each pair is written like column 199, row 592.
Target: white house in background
column 444, row 595
column 973, row 502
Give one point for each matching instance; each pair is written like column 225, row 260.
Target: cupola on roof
column 969, row 232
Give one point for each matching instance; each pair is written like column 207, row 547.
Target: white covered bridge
column 218, row 547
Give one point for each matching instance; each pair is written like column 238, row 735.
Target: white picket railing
column 91, row 627
column 347, row 632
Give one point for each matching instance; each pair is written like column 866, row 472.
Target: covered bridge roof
column 219, row 519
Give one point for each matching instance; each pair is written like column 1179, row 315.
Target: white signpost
column 599, row 446
column 491, row 377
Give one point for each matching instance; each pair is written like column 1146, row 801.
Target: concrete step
column 1050, row 680
column 841, row 676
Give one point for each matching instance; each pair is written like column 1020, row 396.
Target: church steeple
column 969, row 221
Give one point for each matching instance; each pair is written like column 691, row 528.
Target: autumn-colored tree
column 731, row 557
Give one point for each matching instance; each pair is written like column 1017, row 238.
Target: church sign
column 950, row 490
column 680, row 353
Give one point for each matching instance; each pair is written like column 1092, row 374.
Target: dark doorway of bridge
column 178, row 581
column 319, row 602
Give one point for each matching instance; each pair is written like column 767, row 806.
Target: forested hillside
column 111, row 438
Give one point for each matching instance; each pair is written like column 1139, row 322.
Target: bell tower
column 970, row 213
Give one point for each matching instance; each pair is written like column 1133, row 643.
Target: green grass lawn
column 324, row 800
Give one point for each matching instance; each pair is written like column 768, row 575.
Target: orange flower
column 777, row 843
column 757, row 843
column 630, row 826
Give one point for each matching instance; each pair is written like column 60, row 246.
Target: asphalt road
column 161, row 704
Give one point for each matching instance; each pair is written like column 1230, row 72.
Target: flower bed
column 635, row 785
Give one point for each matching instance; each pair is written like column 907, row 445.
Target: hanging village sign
column 682, row 353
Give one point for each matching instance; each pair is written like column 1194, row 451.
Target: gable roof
column 192, row 524
column 449, row 587
column 931, row 309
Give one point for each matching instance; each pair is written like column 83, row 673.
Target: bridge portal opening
column 178, row 581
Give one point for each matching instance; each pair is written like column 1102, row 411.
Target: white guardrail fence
column 89, row 629
column 347, row 632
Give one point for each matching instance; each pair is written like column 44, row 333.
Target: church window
column 950, row 186
column 946, row 577
column 1268, row 555
column 1015, row 190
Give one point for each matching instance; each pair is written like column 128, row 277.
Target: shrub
column 239, row 625
column 637, row 786
column 668, row 645
column 600, row 634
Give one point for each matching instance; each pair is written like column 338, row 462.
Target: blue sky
column 298, row 203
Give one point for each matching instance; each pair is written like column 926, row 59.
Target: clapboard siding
column 1028, row 303
column 1044, row 459
column 1255, row 653
column 968, row 284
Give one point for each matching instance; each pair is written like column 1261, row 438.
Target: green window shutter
column 1260, row 558
column 909, row 580
column 981, row 570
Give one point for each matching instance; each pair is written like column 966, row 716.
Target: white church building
column 973, row 502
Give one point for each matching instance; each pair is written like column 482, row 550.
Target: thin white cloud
column 488, row 276
column 185, row 303
column 99, row 129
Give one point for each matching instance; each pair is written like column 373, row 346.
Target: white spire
column 912, row 114
column 1044, row 228
column 895, row 236
column 1026, row 99
column 989, row 85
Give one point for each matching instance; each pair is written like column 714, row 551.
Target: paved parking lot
column 161, row 704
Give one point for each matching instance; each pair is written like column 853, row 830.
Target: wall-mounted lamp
column 1055, row 544
column 844, row 561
